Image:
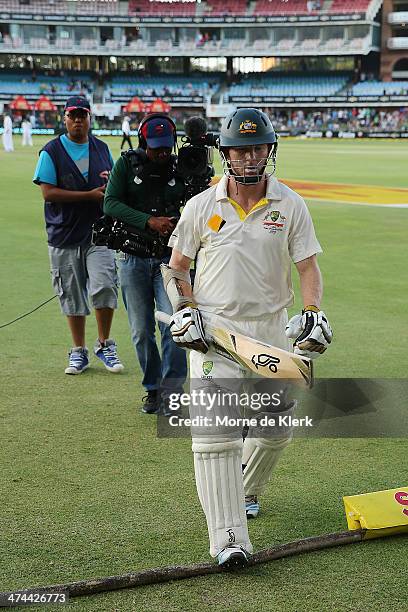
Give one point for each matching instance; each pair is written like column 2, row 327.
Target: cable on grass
column 28, row 313
column 181, row 572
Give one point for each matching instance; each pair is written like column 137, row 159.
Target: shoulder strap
column 136, row 158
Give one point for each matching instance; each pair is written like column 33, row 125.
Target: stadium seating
column 379, row 88
column 334, row 44
column 64, row 43
column 58, row 88
column 122, row 88
column 358, row 43
column 39, row 43
column 61, row 7
column 281, row 7
column 299, row 7
column 349, row 6
column 216, row 8
column 145, row 7
column 261, row 45
column 288, row 86
column 184, row 8
column 310, row 44
column 286, row 44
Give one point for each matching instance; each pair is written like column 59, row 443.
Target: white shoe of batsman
column 233, row 557
column 312, row 333
column 187, row 329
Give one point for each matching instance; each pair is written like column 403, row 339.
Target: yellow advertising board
column 381, row 513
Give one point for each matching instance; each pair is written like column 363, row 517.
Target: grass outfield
column 88, row 490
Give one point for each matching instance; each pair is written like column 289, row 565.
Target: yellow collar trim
column 241, row 212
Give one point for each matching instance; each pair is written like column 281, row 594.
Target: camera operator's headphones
column 142, row 139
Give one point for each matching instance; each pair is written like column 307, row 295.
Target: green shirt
column 126, row 200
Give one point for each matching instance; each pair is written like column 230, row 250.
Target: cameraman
column 145, row 191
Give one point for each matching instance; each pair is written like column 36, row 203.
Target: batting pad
column 259, row 458
column 220, row 489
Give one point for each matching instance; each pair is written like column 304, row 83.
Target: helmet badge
column 248, row 127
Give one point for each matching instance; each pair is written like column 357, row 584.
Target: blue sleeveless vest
column 70, row 225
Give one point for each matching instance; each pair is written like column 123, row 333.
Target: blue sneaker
column 107, row 353
column 251, row 506
column 78, row 360
column 233, row 557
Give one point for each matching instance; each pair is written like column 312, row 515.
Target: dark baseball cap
column 158, row 132
column 76, row 102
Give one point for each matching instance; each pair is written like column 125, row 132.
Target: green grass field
column 87, row 489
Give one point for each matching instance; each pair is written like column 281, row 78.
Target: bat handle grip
column 163, row 317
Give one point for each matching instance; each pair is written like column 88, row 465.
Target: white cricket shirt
column 126, row 127
column 243, row 268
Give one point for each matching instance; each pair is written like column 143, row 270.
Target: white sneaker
column 233, row 557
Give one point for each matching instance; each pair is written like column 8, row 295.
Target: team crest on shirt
column 248, row 127
column 274, row 222
column 207, row 367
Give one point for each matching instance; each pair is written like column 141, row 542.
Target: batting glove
column 187, row 329
column 311, row 331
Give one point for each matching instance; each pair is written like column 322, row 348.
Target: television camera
column 193, row 165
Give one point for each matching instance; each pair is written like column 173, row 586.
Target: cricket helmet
column 247, row 127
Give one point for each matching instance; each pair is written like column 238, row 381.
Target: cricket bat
column 263, row 359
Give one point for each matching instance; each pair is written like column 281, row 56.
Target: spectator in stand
column 356, row 119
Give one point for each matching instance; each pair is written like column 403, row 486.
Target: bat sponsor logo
column 231, row 535
column 263, row 360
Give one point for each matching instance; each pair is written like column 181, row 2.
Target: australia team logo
column 248, row 127
column 274, row 222
column 207, row 369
